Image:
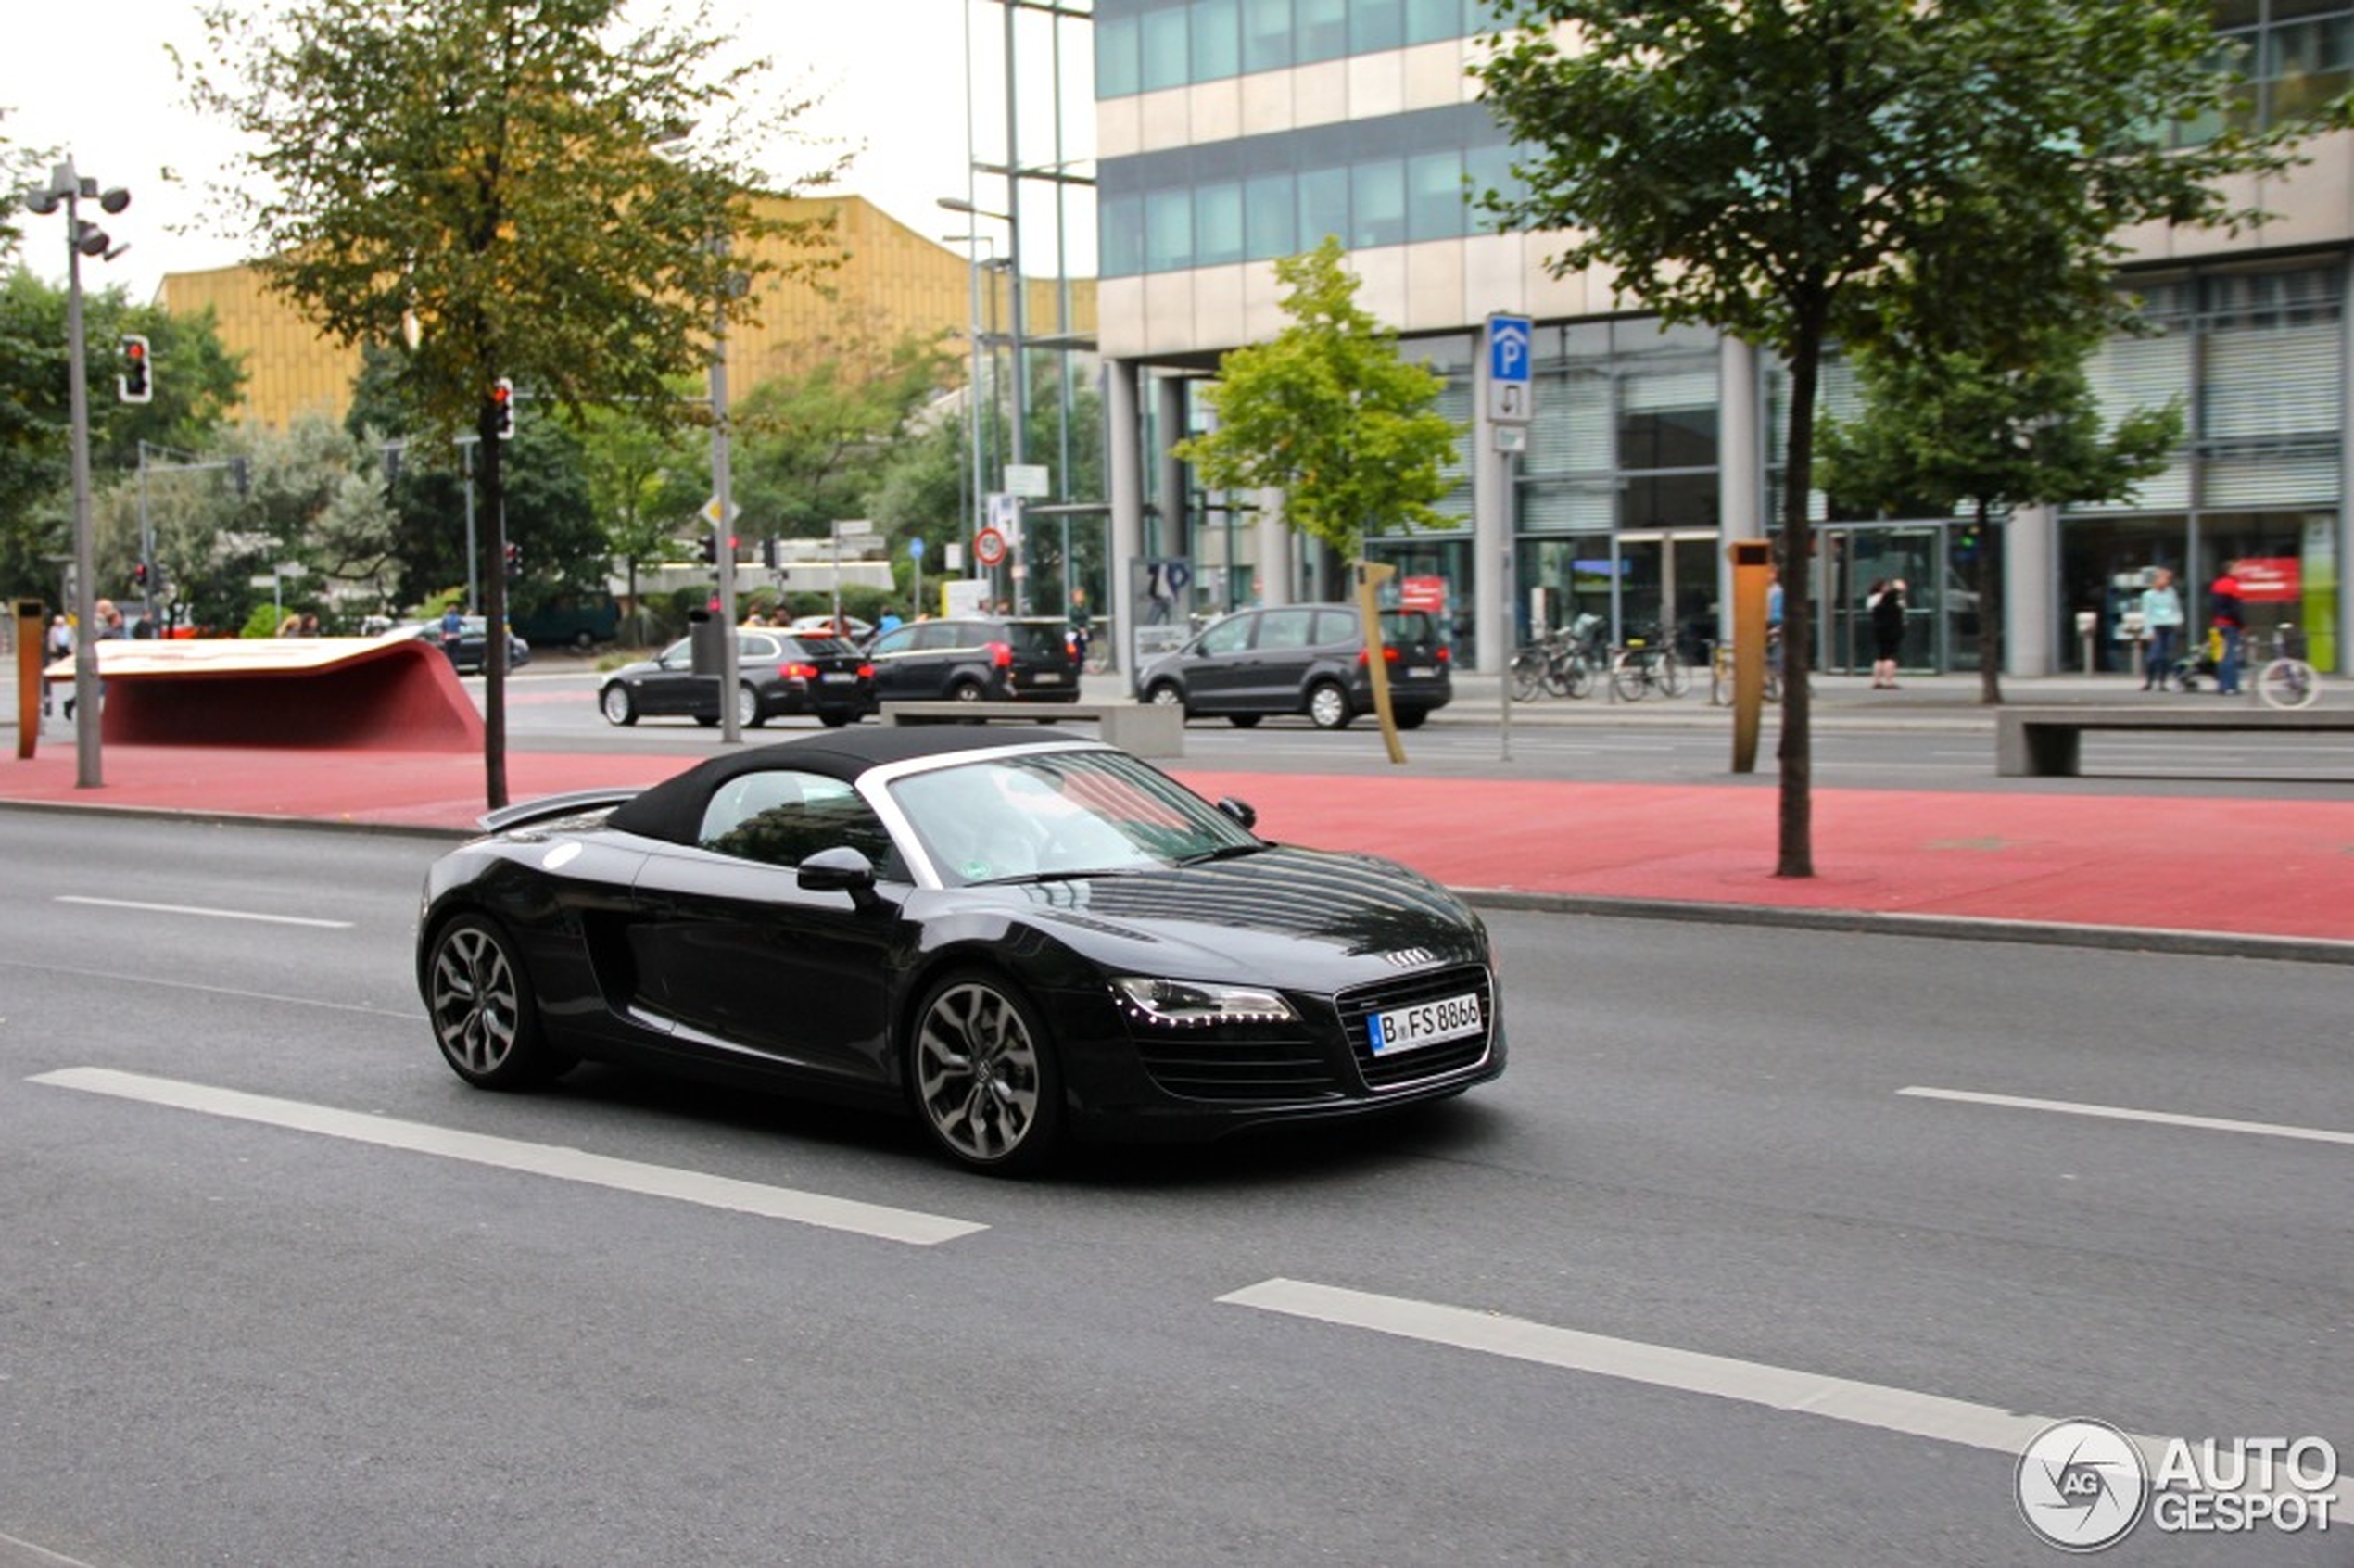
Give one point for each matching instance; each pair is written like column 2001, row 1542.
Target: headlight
column 1175, row 1003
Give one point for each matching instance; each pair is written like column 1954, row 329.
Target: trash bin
column 706, row 640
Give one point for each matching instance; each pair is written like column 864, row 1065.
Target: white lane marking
column 198, row 909
column 538, row 1159
column 2123, row 1113
column 1752, row 1382
column 117, row 977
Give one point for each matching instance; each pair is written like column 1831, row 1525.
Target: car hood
column 1307, row 919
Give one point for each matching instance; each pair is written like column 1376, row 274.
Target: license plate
column 1422, row 672
column 1045, row 678
column 838, row 677
column 1426, row 1023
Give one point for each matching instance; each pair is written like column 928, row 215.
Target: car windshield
column 1059, row 813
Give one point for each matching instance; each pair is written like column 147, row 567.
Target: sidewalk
column 2272, row 876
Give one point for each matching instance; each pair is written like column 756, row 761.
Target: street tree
column 195, row 383
column 1327, row 412
column 1778, row 171
column 811, row 444
column 533, row 195
column 1945, row 430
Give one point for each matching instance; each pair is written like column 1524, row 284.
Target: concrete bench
column 1148, row 730
column 2048, row 742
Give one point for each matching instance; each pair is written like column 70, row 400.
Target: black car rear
column 977, row 659
column 778, row 675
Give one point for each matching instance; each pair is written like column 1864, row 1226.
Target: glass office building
column 1234, row 131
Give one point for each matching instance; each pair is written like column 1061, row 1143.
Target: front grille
column 1431, row 1061
column 1233, row 1064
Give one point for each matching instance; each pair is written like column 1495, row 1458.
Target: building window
column 1266, row 34
column 1319, row 30
column 1218, row 225
column 1218, row 46
column 1167, row 59
column 1116, row 75
column 1268, row 229
column 1324, row 206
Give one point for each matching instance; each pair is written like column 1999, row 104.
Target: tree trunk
column 492, row 568
column 1796, row 850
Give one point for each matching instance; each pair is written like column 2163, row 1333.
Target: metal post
column 88, row 771
column 473, row 552
column 731, row 728
column 1017, row 453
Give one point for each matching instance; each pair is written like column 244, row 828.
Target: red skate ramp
column 382, row 693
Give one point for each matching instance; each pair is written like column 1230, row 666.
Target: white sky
column 91, row 77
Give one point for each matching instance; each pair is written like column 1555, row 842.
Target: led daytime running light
column 1175, row 1003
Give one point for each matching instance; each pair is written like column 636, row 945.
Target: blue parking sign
column 1510, row 344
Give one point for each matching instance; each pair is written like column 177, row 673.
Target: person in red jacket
column 2228, row 611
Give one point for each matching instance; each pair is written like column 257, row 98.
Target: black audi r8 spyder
column 1021, row 936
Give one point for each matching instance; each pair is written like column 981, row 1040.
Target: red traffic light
column 134, row 386
column 502, row 401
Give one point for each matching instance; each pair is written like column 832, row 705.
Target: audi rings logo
column 2082, row 1485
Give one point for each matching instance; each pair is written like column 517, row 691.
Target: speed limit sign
column 989, row 547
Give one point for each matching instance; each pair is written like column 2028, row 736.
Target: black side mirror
column 840, row 869
column 1240, row 811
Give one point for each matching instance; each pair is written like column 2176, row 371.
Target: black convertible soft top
column 672, row 810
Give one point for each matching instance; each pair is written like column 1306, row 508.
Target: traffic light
column 241, row 474
column 502, row 398
column 768, row 553
column 711, row 549
column 139, row 575
column 134, row 384
column 514, row 560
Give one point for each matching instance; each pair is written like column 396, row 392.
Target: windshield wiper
column 1224, row 852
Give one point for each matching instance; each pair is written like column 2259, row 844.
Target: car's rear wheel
column 484, row 1016
column 1328, row 705
column 983, row 1076
column 1243, row 721
column 617, row 705
column 834, row 718
column 1411, row 718
column 748, row 713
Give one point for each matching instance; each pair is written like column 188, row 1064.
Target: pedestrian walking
column 57, row 645
column 1888, row 634
column 2162, row 619
column 2227, row 612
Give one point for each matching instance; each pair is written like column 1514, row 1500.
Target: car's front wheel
column 983, row 1076
column 748, row 713
column 966, row 691
column 484, row 1016
column 617, row 705
column 1166, row 695
column 1328, row 705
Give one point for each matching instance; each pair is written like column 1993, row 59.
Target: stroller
column 2203, row 657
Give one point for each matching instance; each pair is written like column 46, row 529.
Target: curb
column 1952, row 927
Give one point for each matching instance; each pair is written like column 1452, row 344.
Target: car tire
column 617, row 705
column 835, row 720
column 1328, row 705
column 982, row 1075
column 965, row 692
column 748, row 713
column 1165, row 694
column 1411, row 718
column 584, row 642
column 1244, row 721
column 484, row 1016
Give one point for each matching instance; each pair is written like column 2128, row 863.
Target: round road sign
column 989, row 547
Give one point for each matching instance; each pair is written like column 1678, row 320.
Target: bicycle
column 1642, row 666
column 2287, row 681
column 1555, row 665
column 1720, row 673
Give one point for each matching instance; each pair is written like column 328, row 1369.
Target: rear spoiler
column 566, row 804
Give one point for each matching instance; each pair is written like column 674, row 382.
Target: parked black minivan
column 977, row 659
column 1304, row 659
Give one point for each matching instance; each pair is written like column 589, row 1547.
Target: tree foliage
column 1786, row 170
column 196, row 384
column 1945, row 430
column 1328, row 413
column 531, row 191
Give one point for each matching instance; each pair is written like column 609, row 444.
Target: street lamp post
column 68, row 189
column 1018, row 333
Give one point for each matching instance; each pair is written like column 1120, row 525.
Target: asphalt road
column 1551, row 1323
column 551, row 706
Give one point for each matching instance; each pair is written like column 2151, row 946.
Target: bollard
column 31, row 626
column 1752, row 573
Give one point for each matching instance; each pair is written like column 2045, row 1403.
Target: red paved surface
column 2242, row 866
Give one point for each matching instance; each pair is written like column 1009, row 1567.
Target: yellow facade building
column 892, row 284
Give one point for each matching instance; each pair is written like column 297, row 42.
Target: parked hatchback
column 976, row 659
column 1307, row 659
column 776, row 674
